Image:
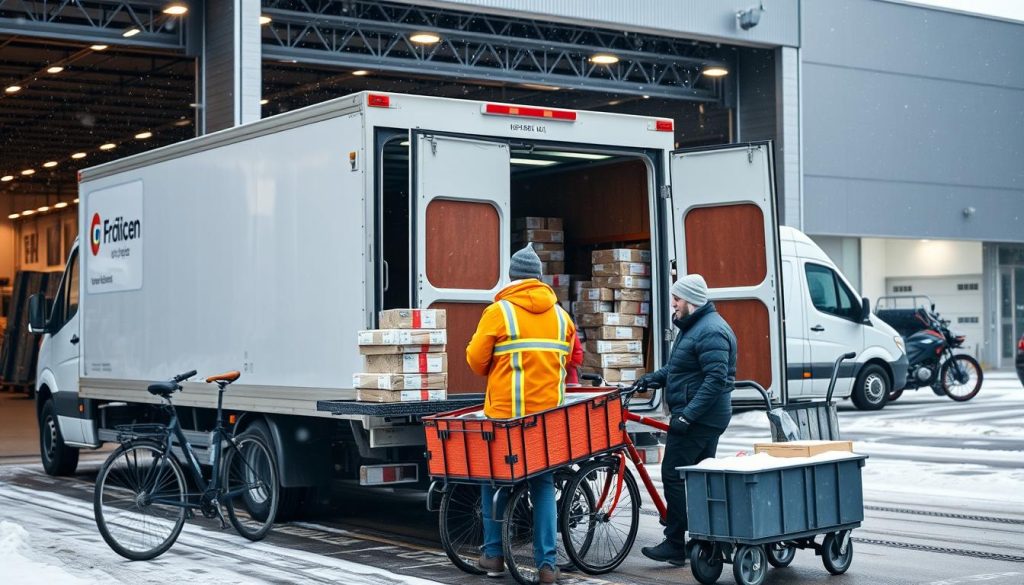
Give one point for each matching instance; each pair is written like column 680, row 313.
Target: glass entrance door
column 1011, row 310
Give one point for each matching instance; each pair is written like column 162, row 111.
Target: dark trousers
column 699, row 443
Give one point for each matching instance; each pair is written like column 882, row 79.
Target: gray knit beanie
column 691, row 288
column 525, row 264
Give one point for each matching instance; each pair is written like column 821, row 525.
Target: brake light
column 663, row 125
column 529, row 112
column 376, row 100
column 1020, row 344
column 388, row 474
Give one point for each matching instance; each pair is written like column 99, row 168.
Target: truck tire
column 871, row 390
column 58, row 458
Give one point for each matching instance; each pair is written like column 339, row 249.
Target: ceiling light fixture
column 183, row 122
column 50, row 164
column 14, row 216
column 43, row 209
column 264, row 101
column 176, row 9
column 143, row 135
column 425, row 38
column 75, row 200
column 108, row 146
column 98, row 47
column 264, row 19
column 130, row 32
column 28, row 172
column 60, row 205
column 13, row 88
column 715, row 71
column 532, row 162
column 78, row 155
column 360, row 72
column 28, row 212
column 604, row 59
column 55, row 69
column 583, row 155
column 6, row 178
column 541, row 87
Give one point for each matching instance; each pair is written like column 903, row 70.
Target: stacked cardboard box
column 548, row 237
column 405, row 358
column 614, row 311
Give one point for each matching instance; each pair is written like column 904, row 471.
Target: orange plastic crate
column 461, row 446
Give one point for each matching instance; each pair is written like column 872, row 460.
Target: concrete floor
column 19, row 431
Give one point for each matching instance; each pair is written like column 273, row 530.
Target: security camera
column 748, row 19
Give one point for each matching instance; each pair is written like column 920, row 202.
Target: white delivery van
column 825, row 318
column 267, row 247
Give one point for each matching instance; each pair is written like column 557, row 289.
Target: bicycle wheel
column 139, row 501
column 599, row 536
column 517, row 537
column 461, row 525
column 961, row 377
column 251, row 490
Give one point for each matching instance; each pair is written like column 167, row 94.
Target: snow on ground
column 19, row 563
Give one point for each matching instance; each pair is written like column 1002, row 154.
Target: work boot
column 549, row 574
column 666, row 552
column 494, row 566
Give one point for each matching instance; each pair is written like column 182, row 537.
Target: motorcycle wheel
column 961, row 377
column 894, row 395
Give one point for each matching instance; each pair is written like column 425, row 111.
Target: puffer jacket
column 701, row 370
column 522, row 344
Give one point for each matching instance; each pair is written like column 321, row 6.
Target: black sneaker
column 666, row 552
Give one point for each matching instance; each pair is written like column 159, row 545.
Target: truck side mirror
column 37, row 313
column 865, row 310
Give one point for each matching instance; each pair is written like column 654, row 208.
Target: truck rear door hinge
column 665, row 191
column 750, row 153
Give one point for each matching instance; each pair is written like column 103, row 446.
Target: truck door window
column 71, row 293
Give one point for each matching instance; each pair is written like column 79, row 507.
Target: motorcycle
column 933, row 363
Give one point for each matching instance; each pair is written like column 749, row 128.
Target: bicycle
column 142, row 497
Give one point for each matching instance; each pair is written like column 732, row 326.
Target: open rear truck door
column 726, row 228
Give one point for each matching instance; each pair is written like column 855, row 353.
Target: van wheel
column 58, row 458
column 871, row 391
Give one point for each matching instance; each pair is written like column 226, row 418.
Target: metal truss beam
column 94, row 21
column 365, row 34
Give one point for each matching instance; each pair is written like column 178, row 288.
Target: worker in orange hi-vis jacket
column 522, row 344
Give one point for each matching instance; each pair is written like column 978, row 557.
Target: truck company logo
column 119, row 230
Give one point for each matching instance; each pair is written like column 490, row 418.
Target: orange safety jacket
column 522, row 344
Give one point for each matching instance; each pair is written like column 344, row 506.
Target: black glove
column 678, row 425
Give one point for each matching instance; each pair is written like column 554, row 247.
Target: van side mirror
column 865, row 310
column 37, row 313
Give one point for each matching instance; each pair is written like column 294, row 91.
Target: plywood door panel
column 713, row 236
column 751, row 323
column 462, row 321
column 463, row 243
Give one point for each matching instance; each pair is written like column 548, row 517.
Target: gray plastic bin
column 756, row 507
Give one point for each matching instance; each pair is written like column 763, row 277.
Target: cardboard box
column 580, row 284
column 617, row 375
column 550, row 255
column 602, row 346
column 556, row 280
column 552, row 267
column 615, row 333
column 529, row 223
column 549, row 247
column 407, row 363
column 554, row 223
column 633, row 308
column 621, row 282
column 620, row 255
column 632, row 294
column 616, row 319
column 595, row 294
column 397, row 349
column 613, row 360
column 580, row 308
column 547, row 236
column 802, row 448
column 622, row 269
column 413, row 319
column 561, row 292
column 371, row 381
column 364, row 395
column 403, row 337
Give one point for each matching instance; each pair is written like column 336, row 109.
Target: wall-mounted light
column 264, row 19
column 54, row 70
column 175, row 9
column 131, row 32
column 78, row 155
column 425, row 38
column 604, row 59
column 715, row 71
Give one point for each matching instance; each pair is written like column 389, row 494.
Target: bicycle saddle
column 163, row 388
column 228, row 377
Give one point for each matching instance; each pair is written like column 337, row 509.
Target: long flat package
column 614, row 333
column 613, row 360
column 632, row 308
column 614, row 319
column 407, row 363
column 372, row 381
column 413, row 319
column 365, row 395
column 622, row 269
column 617, row 375
column 398, row 349
column 621, row 282
column 604, row 346
column 403, row 337
column 632, row 294
column 620, row 255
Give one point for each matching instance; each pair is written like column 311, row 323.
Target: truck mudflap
column 350, row 407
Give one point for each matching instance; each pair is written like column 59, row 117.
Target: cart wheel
column 780, row 555
column 835, row 559
column 749, row 565
column 704, row 562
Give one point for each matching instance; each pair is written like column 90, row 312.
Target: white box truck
column 266, row 247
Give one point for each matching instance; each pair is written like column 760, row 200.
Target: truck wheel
column 58, row 458
column 871, row 390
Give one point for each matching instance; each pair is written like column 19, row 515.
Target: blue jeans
column 545, row 518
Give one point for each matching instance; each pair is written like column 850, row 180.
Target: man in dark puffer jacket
column 698, row 380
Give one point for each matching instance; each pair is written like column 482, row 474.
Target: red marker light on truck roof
column 663, row 125
column 376, row 100
column 529, row 112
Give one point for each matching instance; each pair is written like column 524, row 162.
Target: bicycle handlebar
column 182, row 377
